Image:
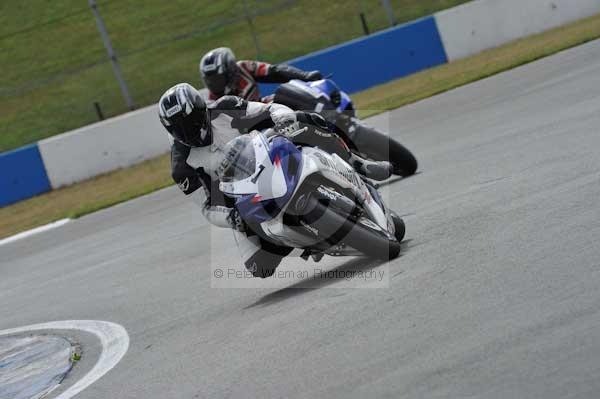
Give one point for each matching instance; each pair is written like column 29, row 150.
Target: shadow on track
column 316, row 282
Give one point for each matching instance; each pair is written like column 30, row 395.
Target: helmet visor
column 216, row 83
column 191, row 131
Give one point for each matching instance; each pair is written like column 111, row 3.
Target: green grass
column 54, row 64
column 121, row 185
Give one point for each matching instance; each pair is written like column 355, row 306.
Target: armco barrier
column 378, row 58
column 22, row 175
column 482, row 24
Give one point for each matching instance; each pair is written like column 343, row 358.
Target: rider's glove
column 235, row 221
column 319, row 122
column 286, row 124
column 315, row 120
column 313, row 75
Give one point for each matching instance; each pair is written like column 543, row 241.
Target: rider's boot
column 317, row 256
column 308, row 254
column 376, row 170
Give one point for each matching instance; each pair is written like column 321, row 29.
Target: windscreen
column 239, row 161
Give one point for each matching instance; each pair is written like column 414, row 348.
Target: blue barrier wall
column 378, row 58
column 22, row 175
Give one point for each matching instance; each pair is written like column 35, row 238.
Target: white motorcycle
column 306, row 198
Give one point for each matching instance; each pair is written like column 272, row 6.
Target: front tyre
column 399, row 227
column 362, row 235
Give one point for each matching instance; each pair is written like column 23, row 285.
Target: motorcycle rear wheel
column 380, row 147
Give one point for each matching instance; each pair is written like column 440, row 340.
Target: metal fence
column 57, row 74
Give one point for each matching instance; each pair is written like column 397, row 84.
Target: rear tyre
column 380, row 147
column 335, row 228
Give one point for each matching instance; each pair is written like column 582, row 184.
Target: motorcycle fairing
column 327, row 88
column 284, row 163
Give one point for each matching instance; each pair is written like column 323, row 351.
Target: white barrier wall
column 482, row 24
column 103, row 147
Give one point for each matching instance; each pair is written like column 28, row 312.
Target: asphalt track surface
column 495, row 294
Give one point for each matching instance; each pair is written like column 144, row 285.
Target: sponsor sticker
column 173, row 110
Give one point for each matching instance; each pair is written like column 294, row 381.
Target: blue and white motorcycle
column 326, row 98
column 305, row 198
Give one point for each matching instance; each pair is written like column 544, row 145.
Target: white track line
column 37, row 230
column 113, row 338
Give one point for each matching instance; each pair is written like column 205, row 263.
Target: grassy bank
column 125, row 184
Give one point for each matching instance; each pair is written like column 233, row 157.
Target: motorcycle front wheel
column 360, row 234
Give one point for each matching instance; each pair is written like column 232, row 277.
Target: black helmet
column 182, row 111
column 218, row 70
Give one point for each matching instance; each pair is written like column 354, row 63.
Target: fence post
column 389, row 11
column 98, row 111
column 364, row 23
column 252, row 30
column 111, row 55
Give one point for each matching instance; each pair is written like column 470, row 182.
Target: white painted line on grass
column 37, row 230
column 113, row 338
